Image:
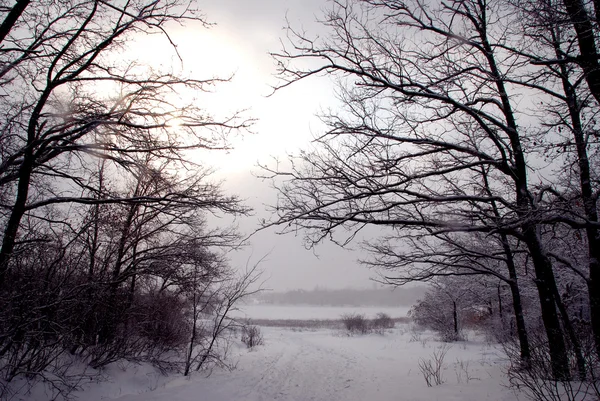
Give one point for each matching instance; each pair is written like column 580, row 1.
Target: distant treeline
column 351, row 297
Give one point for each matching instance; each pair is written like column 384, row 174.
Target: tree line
column 343, row 297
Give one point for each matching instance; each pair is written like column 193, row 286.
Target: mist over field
column 383, row 296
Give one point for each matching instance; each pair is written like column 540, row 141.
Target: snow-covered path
column 326, row 365
column 298, row 369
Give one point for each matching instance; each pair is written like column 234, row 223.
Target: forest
column 464, row 155
column 106, row 252
column 467, row 140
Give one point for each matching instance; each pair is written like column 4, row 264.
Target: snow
column 269, row 311
column 324, row 364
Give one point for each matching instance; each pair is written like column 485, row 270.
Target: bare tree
column 102, row 212
column 62, row 120
column 586, row 30
column 428, row 258
column 572, row 114
column 429, row 102
column 441, row 306
column 226, row 295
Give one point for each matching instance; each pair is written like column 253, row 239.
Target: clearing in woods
column 328, row 365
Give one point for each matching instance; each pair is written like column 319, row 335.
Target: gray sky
column 245, row 32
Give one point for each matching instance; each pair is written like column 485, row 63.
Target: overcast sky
column 239, row 43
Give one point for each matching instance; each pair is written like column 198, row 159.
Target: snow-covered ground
column 325, row 365
column 268, row 311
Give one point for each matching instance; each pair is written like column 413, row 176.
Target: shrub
column 462, row 371
column 432, row 313
column 432, row 368
column 161, row 319
column 251, row 336
column 534, row 379
column 382, row 322
column 355, row 323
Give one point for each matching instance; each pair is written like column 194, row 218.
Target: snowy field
column 323, row 365
column 281, row 312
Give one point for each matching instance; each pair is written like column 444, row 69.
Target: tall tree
column 63, row 68
column 568, row 60
column 428, row 102
column 102, row 209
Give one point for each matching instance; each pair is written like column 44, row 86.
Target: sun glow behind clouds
column 283, row 122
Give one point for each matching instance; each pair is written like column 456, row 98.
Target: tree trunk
column 588, row 200
column 25, row 172
column 517, row 304
column 500, row 311
column 16, row 214
column 544, row 281
column 521, row 328
column 542, row 265
column 12, row 17
column 513, row 283
column 455, row 316
column 581, row 365
column 125, row 235
column 588, row 59
column 115, row 310
column 594, row 294
column 188, row 359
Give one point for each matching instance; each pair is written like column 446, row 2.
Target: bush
column 251, row 336
column 432, row 368
column 382, row 322
column 355, row 323
column 534, row 379
column 161, row 319
column 432, row 313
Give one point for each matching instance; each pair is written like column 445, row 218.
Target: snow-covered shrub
column 415, row 333
column 435, row 314
column 382, row 322
column 150, row 327
column 534, row 380
column 355, row 323
column 251, row 336
column 162, row 320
